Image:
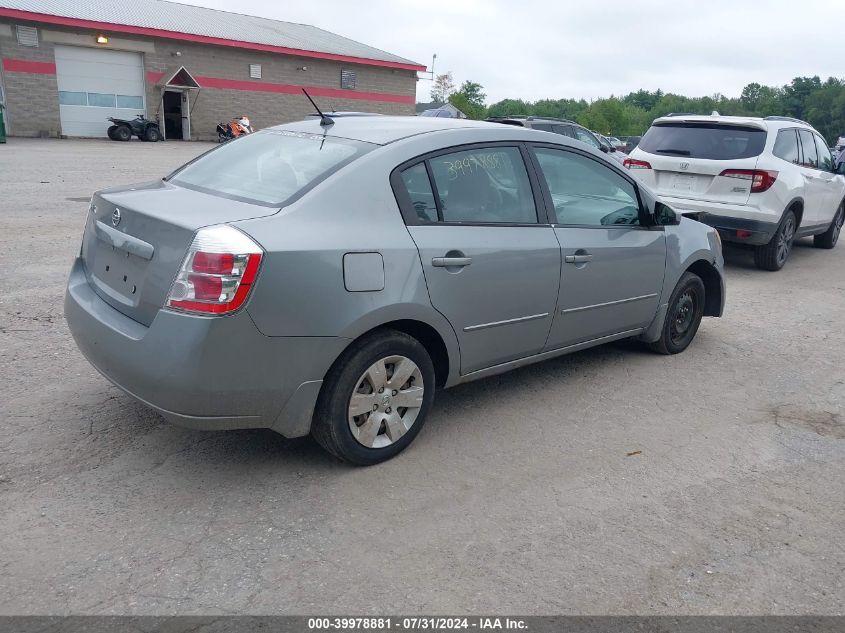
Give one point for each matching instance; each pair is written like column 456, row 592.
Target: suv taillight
column 633, row 163
column 218, row 272
column 761, row 179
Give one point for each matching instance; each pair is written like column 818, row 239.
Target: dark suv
column 558, row 126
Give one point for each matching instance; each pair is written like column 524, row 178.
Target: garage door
column 95, row 84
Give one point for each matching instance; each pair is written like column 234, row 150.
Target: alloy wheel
column 786, row 236
column 386, row 401
column 838, row 221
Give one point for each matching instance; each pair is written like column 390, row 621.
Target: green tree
column 472, row 91
column 472, row 110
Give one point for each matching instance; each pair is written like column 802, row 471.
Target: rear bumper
column 757, row 225
column 200, row 372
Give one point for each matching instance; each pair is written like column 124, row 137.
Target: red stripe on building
column 314, row 91
column 202, row 39
column 24, row 66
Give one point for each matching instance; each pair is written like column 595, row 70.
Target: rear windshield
column 268, row 167
column 703, row 140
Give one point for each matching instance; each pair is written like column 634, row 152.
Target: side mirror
column 603, row 149
column 664, row 215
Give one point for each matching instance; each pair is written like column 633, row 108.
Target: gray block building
column 67, row 65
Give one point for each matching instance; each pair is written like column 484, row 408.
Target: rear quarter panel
column 300, row 290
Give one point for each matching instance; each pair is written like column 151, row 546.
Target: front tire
column 773, row 256
column 152, row 134
column 686, row 307
column 375, row 398
column 829, row 238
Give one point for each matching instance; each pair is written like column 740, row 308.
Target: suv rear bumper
column 209, row 373
column 756, row 226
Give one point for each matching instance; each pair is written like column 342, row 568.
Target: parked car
column 615, row 142
column 557, row 126
column 628, row 143
column 446, row 111
column 328, row 278
column 761, row 182
column 608, row 147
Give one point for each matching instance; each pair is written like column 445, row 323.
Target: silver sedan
column 326, row 277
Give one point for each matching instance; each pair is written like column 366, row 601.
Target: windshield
column 268, row 167
column 703, row 140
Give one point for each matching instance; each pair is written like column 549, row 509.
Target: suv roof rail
column 684, row 114
column 531, row 117
column 786, row 118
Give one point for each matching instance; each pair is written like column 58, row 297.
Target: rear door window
column 825, row 159
column 566, row 130
column 808, row 145
column 488, row 185
column 786, row 147
column 703, row 140
column 543, row 127
column 269, row 167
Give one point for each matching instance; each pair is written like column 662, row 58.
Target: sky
column 591, row 48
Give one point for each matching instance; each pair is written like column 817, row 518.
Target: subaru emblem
column 115, row 217
column 684, row 166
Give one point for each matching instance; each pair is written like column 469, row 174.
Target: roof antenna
column 324, row 120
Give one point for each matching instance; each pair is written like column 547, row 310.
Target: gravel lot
column 519, row 496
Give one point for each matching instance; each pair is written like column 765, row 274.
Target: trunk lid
column 136, row 240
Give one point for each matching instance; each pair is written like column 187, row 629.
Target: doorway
column 176, row 114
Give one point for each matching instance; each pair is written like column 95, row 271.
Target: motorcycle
column 140, row 126
column 237, row 127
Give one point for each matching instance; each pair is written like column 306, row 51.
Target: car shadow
column 742, row 257
column 155, row 443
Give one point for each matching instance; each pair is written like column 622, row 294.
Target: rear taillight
column 633, row 163
column 218, row 272
column 761, row 179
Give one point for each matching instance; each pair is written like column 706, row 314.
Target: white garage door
column 95, row 84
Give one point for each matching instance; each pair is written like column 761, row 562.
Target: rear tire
column 686, row 307
column 110, row 132
column 829, row 238
column 152, row 134
column 360, row 415
column 773, row 256
column 122, row 133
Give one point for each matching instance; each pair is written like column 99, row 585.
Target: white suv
column 761, row 182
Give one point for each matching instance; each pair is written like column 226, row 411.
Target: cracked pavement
column 519, row 496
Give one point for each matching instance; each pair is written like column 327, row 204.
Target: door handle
column 578, row 259
column 448, row 262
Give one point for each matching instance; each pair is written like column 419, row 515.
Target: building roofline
column 31, row 16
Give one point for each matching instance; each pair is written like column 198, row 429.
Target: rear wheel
column 122, row 133
column 686, row 307
column 152, row 134
column 110, row 132
column 829, row 238
column 773, row 256
column 375, row 398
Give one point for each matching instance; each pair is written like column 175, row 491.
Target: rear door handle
column 448, row 262
column 578, row 259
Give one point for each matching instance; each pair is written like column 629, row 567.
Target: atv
column 140, row 126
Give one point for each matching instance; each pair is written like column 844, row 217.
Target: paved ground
column 518, row 496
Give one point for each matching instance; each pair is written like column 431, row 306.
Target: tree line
column 820, row 103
